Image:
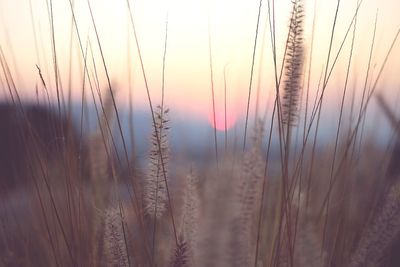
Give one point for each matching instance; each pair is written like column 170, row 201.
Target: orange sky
column 188, row 87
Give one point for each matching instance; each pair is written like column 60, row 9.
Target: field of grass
column 292, row 186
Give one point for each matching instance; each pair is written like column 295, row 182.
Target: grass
column 74, row 196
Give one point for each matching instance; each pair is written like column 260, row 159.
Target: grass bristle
column 191, row 209
column 114, row 244
column 247, row 201
column 180, row 258
column 155, row 195
column 294, row 64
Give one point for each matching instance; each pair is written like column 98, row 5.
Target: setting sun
column 222, row 122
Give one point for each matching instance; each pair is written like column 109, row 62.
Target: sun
column 222, row 122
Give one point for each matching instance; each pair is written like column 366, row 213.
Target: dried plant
column 115, row 249
column 247, row 201
column 190, row 217
column 384, row 228
column 155, row 195
column 99, row 154
column 308, row 243
column 294, row 59
column 218, row 208
column 381, row 233
column 180, row 258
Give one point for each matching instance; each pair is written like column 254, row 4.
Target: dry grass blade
column 251, row 75
column 388, row 113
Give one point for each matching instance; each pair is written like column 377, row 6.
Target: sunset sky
column 231, row 26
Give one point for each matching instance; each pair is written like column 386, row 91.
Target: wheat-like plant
column 115, row 250
column 380, row 233
column 294, row 59
column 307, row 244
column 155, row 195
column 247, row 201
column 180, row 258
column 384, row 228
column 190, row 217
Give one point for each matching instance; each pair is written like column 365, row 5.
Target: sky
column 194, row 28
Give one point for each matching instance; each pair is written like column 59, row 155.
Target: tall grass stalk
column 212, row 90
column 153, row 119
column 251, row 75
